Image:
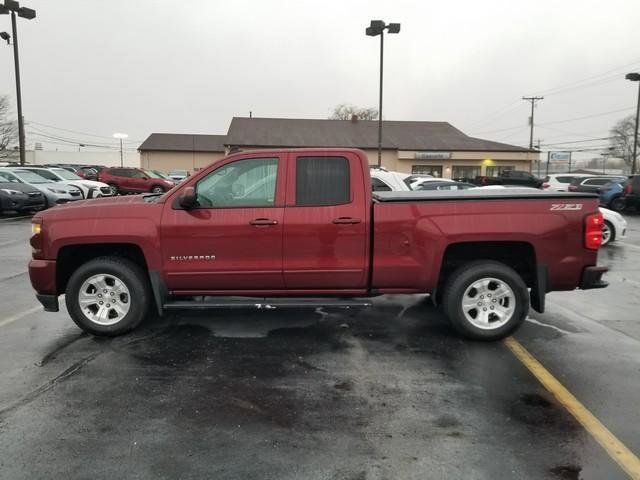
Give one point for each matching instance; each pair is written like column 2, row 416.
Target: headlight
column 56, row 190
column 10, row 192
column 36, row 227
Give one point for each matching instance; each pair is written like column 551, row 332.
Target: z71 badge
column 566, row 206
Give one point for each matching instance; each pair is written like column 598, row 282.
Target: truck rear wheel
column 485, row 300
column 108, row 296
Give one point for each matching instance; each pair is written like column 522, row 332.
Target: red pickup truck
column 295, row 228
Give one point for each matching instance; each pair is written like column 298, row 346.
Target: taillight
column 628, row 189
column 593, row 231
column 545, row 185
column 573, row 188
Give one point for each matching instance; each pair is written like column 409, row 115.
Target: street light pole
column 635, row 77
column 14, row 7
column 380, row 100
column 377, row 27
column 16, row 62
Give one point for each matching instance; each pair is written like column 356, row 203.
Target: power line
column 551, row 90
column 78, row 132
column 577, row 141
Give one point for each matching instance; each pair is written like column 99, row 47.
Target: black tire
column 114, row 189
column 612, row 233
column 134, row 278
column 618, row 204
column 463, row 278
column 157, row 189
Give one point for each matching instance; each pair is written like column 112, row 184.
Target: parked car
column 612, row 196
column 592, row 184
column 512, row 178
column 314, row 228
column 89, row 188
column 54, row 193
column 178, row 175
column 631, row 195
column 559, row 182
column 614, row 227
column 445, row 185
column 383, row 180
column 134, row 180
column 417, row 184
column 19, row 197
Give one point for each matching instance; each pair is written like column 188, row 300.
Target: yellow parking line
column 18, row 316
column 614, row 447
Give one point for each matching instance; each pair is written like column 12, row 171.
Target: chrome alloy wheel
column 104, row 299
column 488, row 303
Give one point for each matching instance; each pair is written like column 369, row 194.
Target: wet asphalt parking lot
column 385, row 393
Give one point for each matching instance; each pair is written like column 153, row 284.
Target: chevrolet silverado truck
column 302, row 228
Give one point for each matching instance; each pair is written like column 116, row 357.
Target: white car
column 614, row 228
column 89, row 188
column 559, row 182
column 383, row 180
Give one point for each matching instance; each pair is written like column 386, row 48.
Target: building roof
column 400, row 135
column 177, row 142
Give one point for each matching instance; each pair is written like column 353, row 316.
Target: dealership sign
column 559, row 157
column 433, row 155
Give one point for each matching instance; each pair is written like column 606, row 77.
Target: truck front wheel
column 108, row 296
column 485, row 300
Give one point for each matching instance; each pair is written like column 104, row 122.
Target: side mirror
column 188, row 198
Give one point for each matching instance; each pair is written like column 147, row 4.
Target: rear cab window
column 322, row 181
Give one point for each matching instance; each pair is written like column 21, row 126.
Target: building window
column 465, row 173
column 496, row 171
column 322, row 181
column 433, row 170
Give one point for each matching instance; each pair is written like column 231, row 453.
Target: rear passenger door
column 592, row 185
column 325, row 242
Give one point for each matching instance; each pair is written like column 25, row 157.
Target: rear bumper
column 592, row 278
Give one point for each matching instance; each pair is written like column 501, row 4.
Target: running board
column 204, row 303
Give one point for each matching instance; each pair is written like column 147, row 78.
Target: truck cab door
column 326, row 224
column 231, row 241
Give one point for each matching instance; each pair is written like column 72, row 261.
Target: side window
column 378, row 185
column 117, row 172
column 596, row 181
column 322, row 181
column 46, row 174
column 245, row 183
column 136, row 174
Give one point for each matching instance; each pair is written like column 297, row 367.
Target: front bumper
column 49, row 302
column 592, row 278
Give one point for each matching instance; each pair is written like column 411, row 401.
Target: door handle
column 346, row 220
column 263, row 222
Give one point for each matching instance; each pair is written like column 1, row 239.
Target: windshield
column 66, row 174
column 178, row 172
column 8, row 177
column 152, row 174
column 30, row 177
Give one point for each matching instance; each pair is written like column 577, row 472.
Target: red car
column 134, row 180
column 302, row 228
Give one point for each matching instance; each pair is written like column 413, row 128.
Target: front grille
column 105, row 190
column 35, row 194
column 75, row 193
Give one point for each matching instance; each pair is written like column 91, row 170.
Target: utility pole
column 533, row 101
column 538, row 148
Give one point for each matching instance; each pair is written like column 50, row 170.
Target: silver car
column 89, row 188
column 54, row 193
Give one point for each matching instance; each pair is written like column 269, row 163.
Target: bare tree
column 8, row 126
column 345, row 111
column 622, row 138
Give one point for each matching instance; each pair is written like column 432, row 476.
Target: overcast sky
column 189, row 66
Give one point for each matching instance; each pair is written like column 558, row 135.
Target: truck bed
column 471, row 194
